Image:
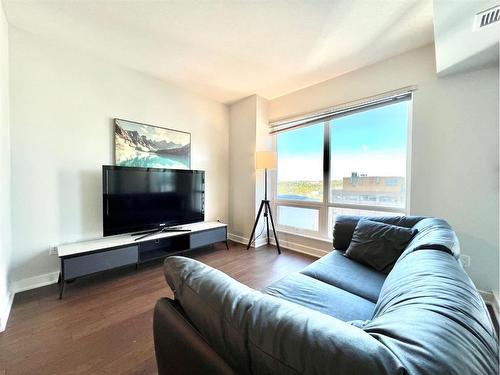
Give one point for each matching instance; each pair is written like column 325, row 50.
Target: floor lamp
column 265, row 160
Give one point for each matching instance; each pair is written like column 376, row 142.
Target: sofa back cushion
column 343, row 229
column 430, row 315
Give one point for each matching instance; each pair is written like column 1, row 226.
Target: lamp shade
column 265, row 160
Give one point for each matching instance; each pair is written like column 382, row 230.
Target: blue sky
column 371, row 142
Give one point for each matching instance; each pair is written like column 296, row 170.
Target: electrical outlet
column 465, row 259
column 52, row 250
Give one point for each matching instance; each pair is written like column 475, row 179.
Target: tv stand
column 89, row 257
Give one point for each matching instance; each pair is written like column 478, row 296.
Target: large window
column 354, row 163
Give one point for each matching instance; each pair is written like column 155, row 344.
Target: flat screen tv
column 141, row 199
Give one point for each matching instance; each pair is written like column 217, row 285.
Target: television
column 142, row 199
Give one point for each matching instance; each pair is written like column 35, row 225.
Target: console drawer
column 207, row 237
column 86, row 264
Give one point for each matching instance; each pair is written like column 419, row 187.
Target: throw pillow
column 378, row 245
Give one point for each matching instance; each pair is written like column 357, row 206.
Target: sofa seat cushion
column 344, row 273
column 322, row 297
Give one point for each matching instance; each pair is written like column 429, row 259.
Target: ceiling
column 229, row 49
column 459, row 46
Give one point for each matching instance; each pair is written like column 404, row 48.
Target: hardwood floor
column 104, row 323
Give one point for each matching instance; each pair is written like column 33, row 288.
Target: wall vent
column 486, row 18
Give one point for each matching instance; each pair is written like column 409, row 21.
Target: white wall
column 5, row 243
column 455, row 144
column 248, row 134
column 242, row 117
column 62, row 106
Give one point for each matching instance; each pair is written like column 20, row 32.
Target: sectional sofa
column 336, row 316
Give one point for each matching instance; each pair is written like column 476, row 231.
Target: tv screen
column 137, row 199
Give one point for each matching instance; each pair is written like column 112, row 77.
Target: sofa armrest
column 179, row 347
column 261, row 334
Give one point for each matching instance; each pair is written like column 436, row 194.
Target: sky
column 371, row 142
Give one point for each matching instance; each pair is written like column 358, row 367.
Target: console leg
column 227, row 246
column 61, row 279
column 61, row 289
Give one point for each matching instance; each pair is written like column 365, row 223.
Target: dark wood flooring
column 104, row 323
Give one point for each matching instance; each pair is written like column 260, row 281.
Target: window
column 333, row 212
column 368, row 157
column 353, row 163
column 300, row 164
column 298, row 217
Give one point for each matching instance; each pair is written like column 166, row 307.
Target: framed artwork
column 142, row 145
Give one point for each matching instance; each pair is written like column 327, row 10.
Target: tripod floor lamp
column 265, row 160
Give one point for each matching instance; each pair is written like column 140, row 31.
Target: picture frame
column 149, row 146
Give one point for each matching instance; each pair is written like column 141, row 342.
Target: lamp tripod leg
column 267, row 222
column 274, row 229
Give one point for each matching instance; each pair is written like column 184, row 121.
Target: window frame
column 324, row 206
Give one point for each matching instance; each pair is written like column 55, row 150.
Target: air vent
column 486, row 18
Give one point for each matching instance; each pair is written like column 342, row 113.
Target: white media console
column 88, row 257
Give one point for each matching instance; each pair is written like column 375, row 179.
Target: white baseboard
column 318, row 253
column 487, row 296
column 496, row 305
column 35, row 282
column 491, row 299
column 5, row 311
column 236, row 238
column 21, row 286
column 261, row 241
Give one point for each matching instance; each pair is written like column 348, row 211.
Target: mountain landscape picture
column 140, row 145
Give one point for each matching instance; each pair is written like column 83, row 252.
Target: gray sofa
column 336, row 316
